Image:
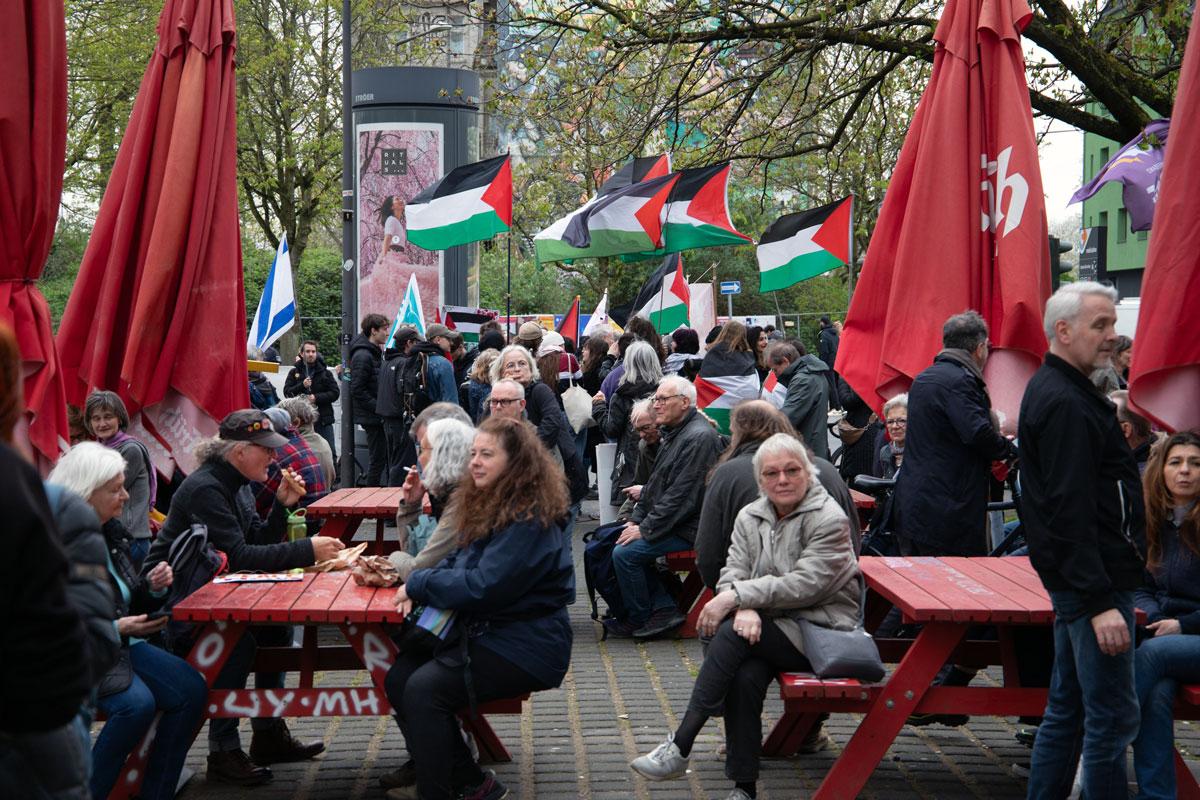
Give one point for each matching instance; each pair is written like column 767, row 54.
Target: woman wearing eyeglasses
column 895, row 418
column 790, row 558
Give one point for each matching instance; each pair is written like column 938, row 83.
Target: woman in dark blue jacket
column 1171, row 600
column 509, row 584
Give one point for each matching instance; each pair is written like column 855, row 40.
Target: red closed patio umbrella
column 33, row 141
column 1164, row 379
column 157, row 313
column 963, row 222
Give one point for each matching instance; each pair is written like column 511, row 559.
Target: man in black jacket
column 1081, row 506
column 952, row 440
column 310, row 378
column 366, row 355
column 665, row 518
column 392, row 406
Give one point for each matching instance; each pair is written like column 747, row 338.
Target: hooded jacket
column 324, row 387
column 613, row 421
column 672, row 498
column 365, row 359
column 799, row 567
column 807, row 403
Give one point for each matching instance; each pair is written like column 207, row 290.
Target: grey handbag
column 842, row 654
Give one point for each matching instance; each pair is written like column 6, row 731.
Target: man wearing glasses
column 667, row 512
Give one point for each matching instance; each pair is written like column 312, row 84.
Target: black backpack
column 412, row 386
column 194, row 562
column 387, row 401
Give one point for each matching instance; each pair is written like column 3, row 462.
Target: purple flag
column 1137, row 165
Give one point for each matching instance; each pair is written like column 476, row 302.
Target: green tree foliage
column 318, row 293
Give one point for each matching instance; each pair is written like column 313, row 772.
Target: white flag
column 599, row 320
column 276, row 312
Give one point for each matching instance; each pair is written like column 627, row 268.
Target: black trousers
column 735, row 676
column 401, row 450
column 427, row 694
column 223, row 733
column 377, row 456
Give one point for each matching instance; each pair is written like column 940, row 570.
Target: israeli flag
column 410, row 311
column 276, row 312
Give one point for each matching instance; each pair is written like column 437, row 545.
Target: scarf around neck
column 121, row 438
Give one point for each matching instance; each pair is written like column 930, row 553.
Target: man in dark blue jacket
column 1081, row 506
column 952, row 440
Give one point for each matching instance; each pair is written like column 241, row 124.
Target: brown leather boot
column 277, row 746
column 234, row 766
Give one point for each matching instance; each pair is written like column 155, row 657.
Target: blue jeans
column 161, row 682
column 1092, row 710
column 1161, row 663
column 642, row 592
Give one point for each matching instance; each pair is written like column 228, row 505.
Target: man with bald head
column 507, row 400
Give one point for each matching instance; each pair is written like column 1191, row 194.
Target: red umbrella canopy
column 157, row 313
column 33, row 141
column 963, row 223
column 1164, row 379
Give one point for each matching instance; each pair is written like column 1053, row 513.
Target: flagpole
column 508, row 293
column 778, row 311
column 850, row 266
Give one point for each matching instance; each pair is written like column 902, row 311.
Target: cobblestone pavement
column 617, row 702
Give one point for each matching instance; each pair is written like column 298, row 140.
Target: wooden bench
column 694, row 595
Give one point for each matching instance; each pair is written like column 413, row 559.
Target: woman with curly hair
column 1171, row 600
column 509, row 586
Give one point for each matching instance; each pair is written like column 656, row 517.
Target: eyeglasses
column 645, row 428
column 899, row 422
column 791, row 473
column 501, row 402
column 659, row 399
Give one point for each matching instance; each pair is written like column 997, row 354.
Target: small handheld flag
column 410, row 312
column 276, row 312
column 803, row 245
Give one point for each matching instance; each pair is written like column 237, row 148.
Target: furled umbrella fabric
column 157, row 313
column 33, row 140
column 963, row 221
column 1164, row 379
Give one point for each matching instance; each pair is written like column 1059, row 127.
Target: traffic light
column 1057, row 267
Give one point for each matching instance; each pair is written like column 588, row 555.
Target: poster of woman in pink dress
column 396, row 160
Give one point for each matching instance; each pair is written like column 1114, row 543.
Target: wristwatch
column 737, row 596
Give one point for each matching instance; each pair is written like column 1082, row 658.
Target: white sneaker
column 738, row 794
column 662, row 763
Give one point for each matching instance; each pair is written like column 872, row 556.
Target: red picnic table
column 695, row 594
column 345, row 509
column 947, row 596
column 361, row 613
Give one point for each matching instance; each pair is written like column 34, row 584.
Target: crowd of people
column 493, row 450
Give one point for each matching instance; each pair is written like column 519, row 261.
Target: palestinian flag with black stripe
column 471, row 203
column 466, row 320
column 642, row 168
column 726, row 378
column 697, row 213
column 804, row 245
column 627, row 220
column 664, row 298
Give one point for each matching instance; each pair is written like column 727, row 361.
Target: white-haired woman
column 443, row 452
column 790, row 558
column 642, row 374
column 106, row 419
column 146, row 679
column 895, row 420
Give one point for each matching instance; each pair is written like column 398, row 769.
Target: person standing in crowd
column 217, row 494
column 390, row 401
column 665, row 518
column 951, row 442
column 756, row 338
column 1171, row 599
column 1082, row 511
column 45, row 677
column 891, row 453
column 858, row 429
column 640, row 379
column 807, row 403
column 790, row 559
column 509, row 587
column 423, row 376
column 366, row 356
column 529, row 336
column 439, row 372
column 1136, row 428
column 1122, row 359
column 828, row 340
column 730, row 365
column 599, row 356
column 107, row 420
column 685, row 358
column 301, row 416
column 146, row 679
column 639, row 328
column 479, row 383
column 312, row 380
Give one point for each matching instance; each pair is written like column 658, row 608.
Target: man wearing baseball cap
column 529, row 335
column 217, row 495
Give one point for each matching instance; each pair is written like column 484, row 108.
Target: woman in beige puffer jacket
column 790, row 558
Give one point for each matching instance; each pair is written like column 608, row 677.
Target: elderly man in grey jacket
column 665, row 517
column 807, row 382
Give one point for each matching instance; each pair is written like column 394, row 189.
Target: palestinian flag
column 726, row 378
column 627, row 220
column 469, row 204
column 697, row 213
column 665, row 298
column 466, row 320
column 804, row 245
column 638, row 170
column 773, row 391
